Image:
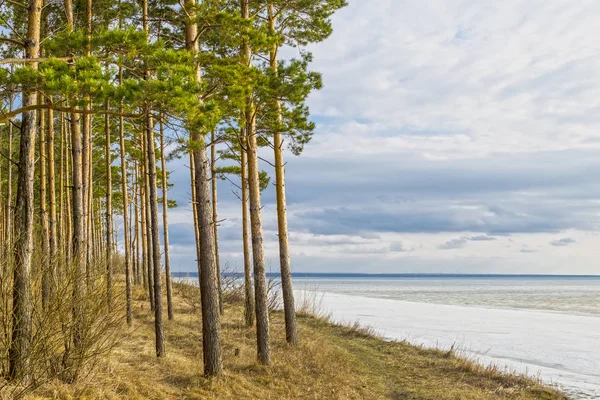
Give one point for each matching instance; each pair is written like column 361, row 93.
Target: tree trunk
column 87, row 161
column 53, row 239
column 215, row 215
column 144, row 233
column 154, row 235
column 260, row 279
column 165, row 204
column 68, row 214
column 77, row 242
column 124, row 190
column 146, row 222
column 109, row 222
column 195, row 213
column 140, row 280
column 77, row 224
column 291, row 332
column 8, row 205
column 23, row 247
column 248, row 289
column 43, row 210
column 211, row 325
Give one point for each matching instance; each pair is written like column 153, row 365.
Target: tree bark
column 291, row 331
column 260, row 279
column 53, row 239
column 154, row 236
column 78, row 218
column 87, row 161
column 43, row 206
column 139, row 275
column 211, row 325
column 195, row 213
column 165, row 204
column 148, row 258
column 144, row 233
column 19, row 350
column 248, row 289
column 124, row 190
column 8, row 205
column 215, row 215
column 109, row 211
column 153, row 213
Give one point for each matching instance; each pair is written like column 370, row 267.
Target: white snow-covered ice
column 561, row 348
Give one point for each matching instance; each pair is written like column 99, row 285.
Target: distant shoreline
column 403, row 275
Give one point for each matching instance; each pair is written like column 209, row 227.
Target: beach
column 559, row 347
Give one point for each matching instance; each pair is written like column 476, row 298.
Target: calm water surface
column 573, row 295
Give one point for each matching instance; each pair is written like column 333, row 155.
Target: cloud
column 400, row 247
column 479, row 122
column 563, row 242
column 526, row 250
column 460, row 243
column 482, row 238
column 453, row 244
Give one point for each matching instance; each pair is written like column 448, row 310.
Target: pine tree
column 23, row 246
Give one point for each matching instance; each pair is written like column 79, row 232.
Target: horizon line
column 401, row 274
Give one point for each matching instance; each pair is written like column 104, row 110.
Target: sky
column 453, row 136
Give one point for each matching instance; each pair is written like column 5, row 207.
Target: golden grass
column 332, row 362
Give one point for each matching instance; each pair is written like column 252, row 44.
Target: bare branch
column 71, row 110
column 13, row 41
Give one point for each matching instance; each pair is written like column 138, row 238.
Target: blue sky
column 458, row 136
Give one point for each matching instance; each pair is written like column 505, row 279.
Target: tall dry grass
column 52, row 354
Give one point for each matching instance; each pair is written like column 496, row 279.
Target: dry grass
column 333, row 362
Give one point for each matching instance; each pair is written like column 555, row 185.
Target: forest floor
column 332, row 362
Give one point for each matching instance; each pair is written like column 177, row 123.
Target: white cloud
column 443, row 124
column 452, row 244
column 563, row 242
column 459, row 77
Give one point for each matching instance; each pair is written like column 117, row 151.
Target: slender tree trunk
column 149, row 244
column 152, row 221
column 143, row 234
column 195, row 212
column 131, row 243
column 21, row 308
column 78, row 217
column 260, row 279
column 109, row 222
column 77, row 241
column 43, row 203
column 211, row 325
column 153, row 202
column 215, row 214
column 86, row 161
column 249, row 293
column 9, row 183
column 140, row 280
column 126, row 222
column 61, row 238
column 68, row 184
column 165, row 204
column 53, row 244
column 291, row 332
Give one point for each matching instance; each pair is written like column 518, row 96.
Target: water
column 572, row 295
column 547, row 327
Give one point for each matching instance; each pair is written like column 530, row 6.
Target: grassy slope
column 333, row 362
